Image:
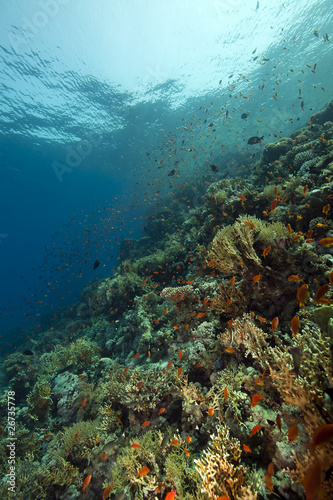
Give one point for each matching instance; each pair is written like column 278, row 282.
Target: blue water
column 100, row 102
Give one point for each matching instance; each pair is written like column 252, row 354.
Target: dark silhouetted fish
column 27, row 352
column 171, row 172
column 214, row 168
column 96, row 263
column 255, row 140
column 244, row 116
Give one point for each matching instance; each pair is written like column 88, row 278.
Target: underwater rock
column 324, row 318
column 325, row 115
column 273, row 151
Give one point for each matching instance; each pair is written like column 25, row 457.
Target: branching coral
column 244, row 331
column 177, row 294
column 221, row 470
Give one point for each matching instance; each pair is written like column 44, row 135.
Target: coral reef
column 203, row 365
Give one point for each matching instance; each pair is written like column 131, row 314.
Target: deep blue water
column 100, row 103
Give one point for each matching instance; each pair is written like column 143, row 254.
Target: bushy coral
column 221, row 470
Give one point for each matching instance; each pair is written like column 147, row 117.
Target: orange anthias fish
column 225, row 393
column 171, row 495
column 312, row 482
column 295, row 324
column 255, row 429
column 275, row 323
column 210, row 412
column 86, row 483
column 295, row 277
column 293, row 433
column 266, row 251
column 278, row 422
column 83, row 402
column 143, row 472
column 180, row 354
column 325, row 242
column 146, row 423
column 323, row 435
column 162, row 410
column 241, row 197
column 320, row 292
column 302, row 295
column 223, row 498
column 135, row 445
column 107, row 491
column 246, row 448
column 230, row 350
column 256, row 278
column 255, row 399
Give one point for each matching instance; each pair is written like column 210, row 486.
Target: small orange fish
column 162, row 410
column 187, row 453
column 295, row 324
column 326, row 209
column 223, row 498
column 180, row 369
column 168, row 365
column 230, row 350
column 289, row 229
column 302, row 294
column 255, row 429
column 250, row 224
column 229, row 323
column 322, row 435
column 147, row 422
column 273, row 204
column 104, row 456
column 188, row 439
column 174, row 442
column 269, row 482
column 305, row 189
column 275, row 323
column 225, row 393
column 210, row 412
column 143, row 472
column 165, row 311
column 200, row 315
column 171, row 495
column 320, row 292
column 137, row 355
column 259, row 381
column 180, row 354
column 255, row 399
column 295, row 277
column 266, row 251
column 140, row 384
column 126, row 370
column 246, row 448
column 86, row 483
column 292, row 433
column 325, row 242
column 241, row 197
column 83, row 403
column 120, row 421
column 278, row 422
column 107, row 490
column 135, row 445
column 313, row 478
column 256, row 278
column 232, row 281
